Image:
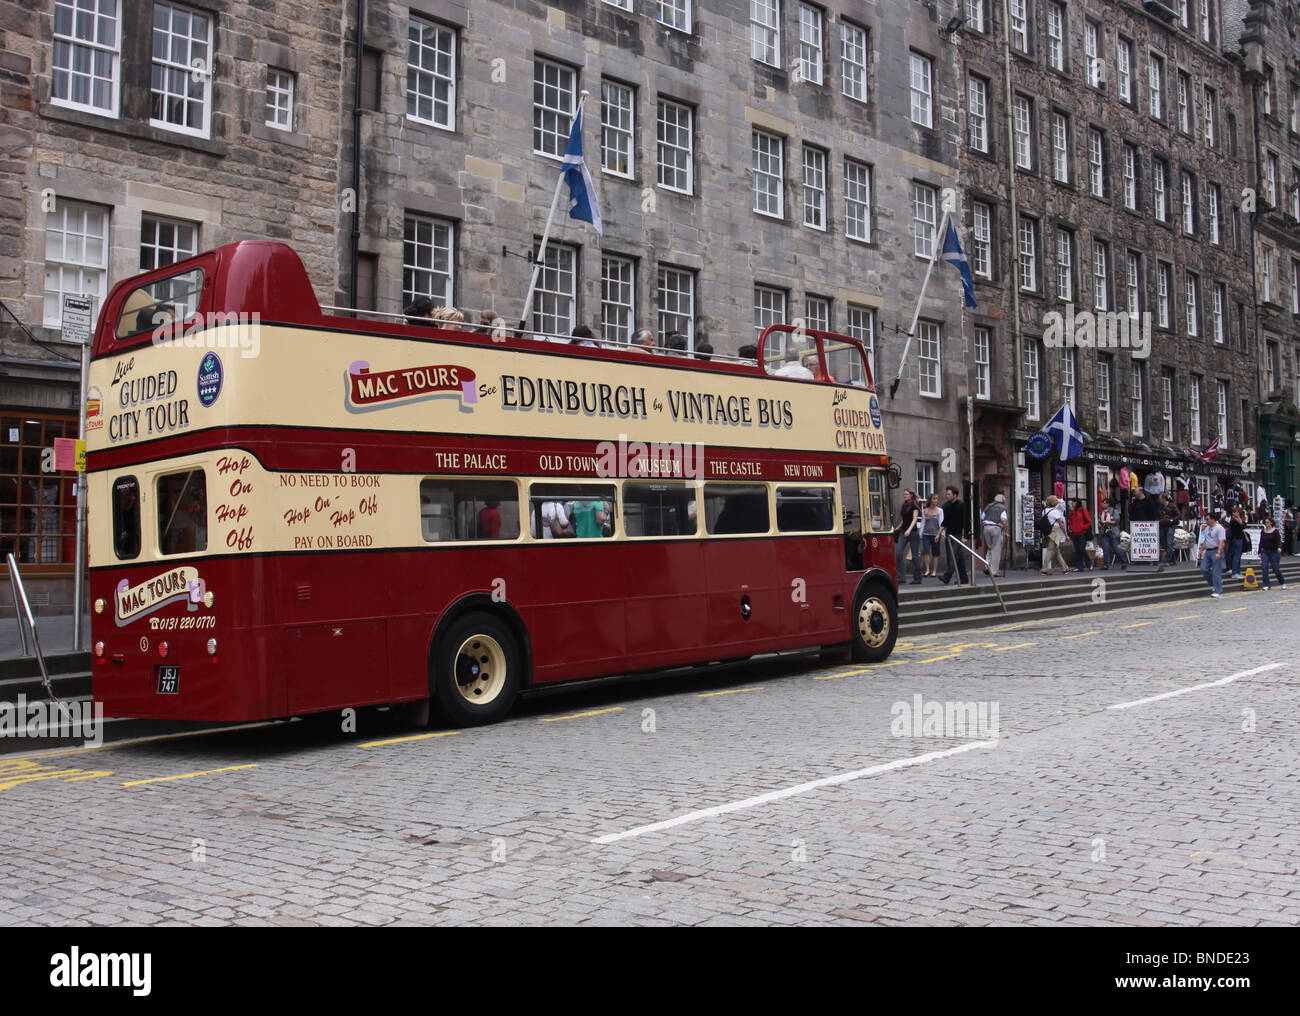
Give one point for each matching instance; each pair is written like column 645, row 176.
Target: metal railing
column 23, row 610
column 985, row 563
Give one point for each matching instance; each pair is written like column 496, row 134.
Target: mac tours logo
column 368, row 390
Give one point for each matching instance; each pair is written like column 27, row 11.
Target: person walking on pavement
column 1209, row 554
column 1236, row 541
column 931, row 527
column 954, row 516
column 1167, row 516
column 1080, row 530
column 995, row 533
column 1270, row 551
column 908, row 535
column 1110, row 536
column 1056, row 535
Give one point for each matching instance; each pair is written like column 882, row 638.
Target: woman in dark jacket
column 1270, row 551
column 1236, row 541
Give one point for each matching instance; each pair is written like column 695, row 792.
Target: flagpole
column 546, row 234
column 911, row 332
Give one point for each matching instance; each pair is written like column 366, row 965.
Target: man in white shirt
column 555, row 521
column 1209, row 554
column 793, row 368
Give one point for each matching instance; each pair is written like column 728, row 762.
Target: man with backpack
column 1051, row 526
column 995, row 532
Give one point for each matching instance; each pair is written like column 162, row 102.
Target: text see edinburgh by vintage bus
column 293, row 512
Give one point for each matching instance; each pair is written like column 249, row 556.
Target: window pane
column 805, row 509
column 453, row 510
column 183, row 512
column 572, row 510
column 735, row 508
column 126, row 518
column 659, row 509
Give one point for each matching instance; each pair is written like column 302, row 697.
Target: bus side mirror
column 895, row 475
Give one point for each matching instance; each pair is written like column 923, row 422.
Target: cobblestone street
column 1087, row 790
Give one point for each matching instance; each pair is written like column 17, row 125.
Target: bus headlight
column 99, row 606
column 212, row 647
column 207, row 599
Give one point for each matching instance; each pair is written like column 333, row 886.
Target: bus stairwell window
column 126, row 518
column 659, row 509
column 160, row 304
column 736, row 508
column 805, row 509
column 183, row 512
column 468, row 510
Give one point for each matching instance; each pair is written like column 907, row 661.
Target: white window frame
column 1093, row 70
column 431, row 55
column 811, row 45
column 817, row 312
column 814, row 188
column 857, row 200
column 674, row 14
column 1096, row 163
column 1188, row 188
column 198, row 70
column 424, row 239
column 1064, row 265
column 1167, row 404
column 982, row 350
column 1132, row 282
column 770, row 308
column 1027, row 252
column 101, row 44
column 1137, row 399
column 1100, row 275
column 1213, row 203
column 155, row 251
column 617, row 129
column 1023, row 119
column 767, row 152
column 1217, row 330
column 981, row 253
column 1030, row 366
column 1184, row 102
column 1056, row 28
column 862, row 326
column 1069, row 375
column 1104, row 421
column 1156, row 85
column 675, row 302
column 975, row 16
column 1221, row 408
column 1194, row 409
column 765, row 31
column 280, row 89
column 74, row 230
column 555, row 304
column 1164, row 283
column 929, row 359
column 1160, row 189
column 673, row 121
column 1130, row 177
column 617, row 298
column 925, row 209
column 1192, row 303
column 1124, row 66
column 1211, row 117
column 1019, row 25
column 921, row 87
column 1060, row 147
column 977, row 120
column 854, row 43
column 553, row 116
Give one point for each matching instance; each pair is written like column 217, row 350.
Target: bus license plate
column 169, row 680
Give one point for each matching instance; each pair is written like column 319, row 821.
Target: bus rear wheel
column 476, row 671
column 875, row 624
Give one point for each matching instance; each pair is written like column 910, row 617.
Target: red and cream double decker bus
column 294, row 512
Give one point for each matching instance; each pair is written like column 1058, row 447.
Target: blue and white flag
column 1064, row 431
column 583, row 203
column 955, row 256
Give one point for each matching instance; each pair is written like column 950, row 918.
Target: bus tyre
column 476, row 671
column 875, row 624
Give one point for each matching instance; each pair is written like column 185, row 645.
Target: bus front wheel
column 875, row 624
column 476, row 671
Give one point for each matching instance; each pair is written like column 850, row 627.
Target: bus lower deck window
column 659, row 509
column 736, row 508
column 468, row 510
column 805, row 509
column 577, row 510
column 183, row 512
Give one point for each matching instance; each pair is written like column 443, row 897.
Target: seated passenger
column 489, row 521
column 418, row 310
column 645, row 339
column 704, row 351
column 590, row 519
column 748, row 354
column 583, row 336
column 554, row 521
column 677, row 344
column 792, row 367
column 447, row 315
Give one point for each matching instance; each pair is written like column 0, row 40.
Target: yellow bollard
column 1250, row 581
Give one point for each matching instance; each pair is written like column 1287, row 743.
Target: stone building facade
column 1269, row 48
column 755, row 162
column 1123, row 122
column 131, row 135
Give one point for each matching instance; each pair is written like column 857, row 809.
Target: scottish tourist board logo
column 210, row 377
column 875, row 412
column 368, row 390
column 1039, row 446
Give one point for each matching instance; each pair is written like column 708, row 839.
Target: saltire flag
column 583, row 203
column 955, row 256
column 1065, row 433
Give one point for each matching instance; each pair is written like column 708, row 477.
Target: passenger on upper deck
column 583, row 336
column 792, row 367
column 748, row 354
column 704, row 351
column 645, row 338
column 677, row 344
column 418, row 310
